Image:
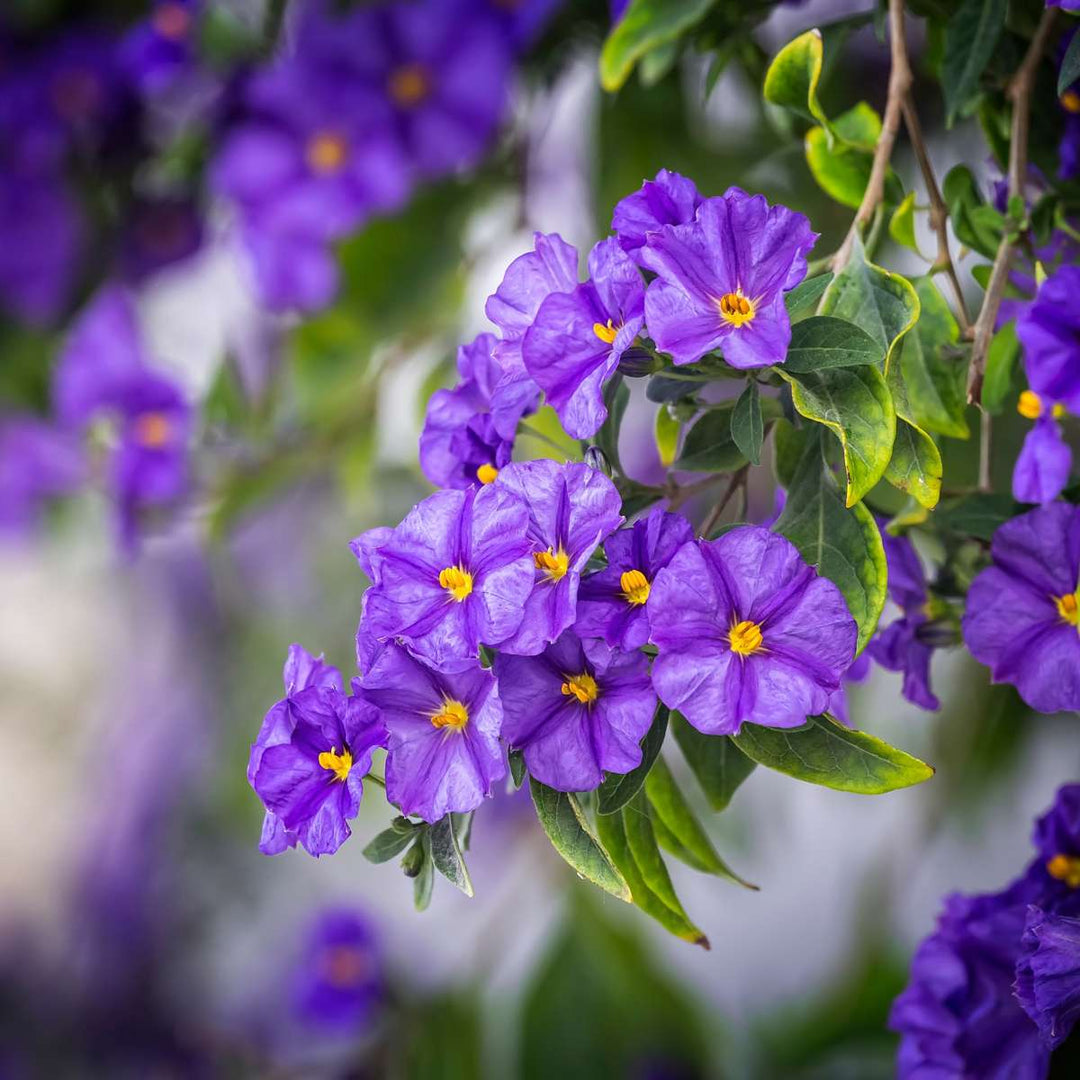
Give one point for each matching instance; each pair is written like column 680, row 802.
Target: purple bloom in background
column 1045, row 460
column 1049, row 331
column 856, row 673
column 459, row 446
column 158, row 233
column 907, row 644
column 1022, row 614
column 1055, row 873
column 670, row 199
column 612, row 602
column 522, row 21
column 1065, row 5
column 721, row 280
column 572, row 508
column 1048, row 974
column 444, row 753
column 577, row 710
column 339, row 981
column 577, row 338
column 747, row 633
column 453, row 575
column 161, row 48
column 38, row 461
column 308, row 762
column 551, row 267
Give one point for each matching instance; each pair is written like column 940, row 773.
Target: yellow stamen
column 453, row 715
column 736, row 308
column 345, row 965
column 553, row 563
column 486, row 474
column 1065, row 868
column 326, row 153
column 1071, row 100
column 1068, row 609
column 1030, row 405
column 338, row 764
column 635, row 587
column 745, row 638
column 409, row 85
column 606, row 334
column 582, row 686
column 153, row 430
column 172, row 22
column 457, row 581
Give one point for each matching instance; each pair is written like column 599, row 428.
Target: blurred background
column 141, row 931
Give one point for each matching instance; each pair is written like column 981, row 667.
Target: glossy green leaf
column 915, row 466
column 902, row 223
column 619, row 788
column 792, row 78
column 616, row 398
column 971, row 36
column 855, row 404
column 424, row 880
column 709, row 445
column 674, row 846
column 667, row 435
column 840, row 159
column 390, row 842
column 446, row 855
column 646, row 25
column 570, row 834
column 747, row 426
column 842, row 542
column 671, row 807
column 719, row 765
column 974, row 229
column 1000, row 385
column 517, row 767
column 827, row 753
column 802, row 301
column 824, row 341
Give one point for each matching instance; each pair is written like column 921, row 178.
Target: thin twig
column 681, row 494
column 738, row 479
column 984, row 451
column 1020, row 89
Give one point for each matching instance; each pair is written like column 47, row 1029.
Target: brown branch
column 738, row 480
column 1019, row 92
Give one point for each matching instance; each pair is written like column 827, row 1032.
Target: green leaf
column 656, row 64
column 517, row 767
column 971, row 36
column 902, row 223
column 793, row 76
column 446, row 855
column 747, row 428
column 564, row 821
column 999, row 382
column 709, row 445
column 671, row 807
column 667, row 435
column 612, row 830
column 389, row 843
column 616, row 398
column 975, row 229
column 674, row 846
column 619, row 788
column 719, row 765
column 789, row 445
column 802, row 301
column 424, row 880
column 855, row 404
column 979, row 514
column 915, row 466
column 827, row 342
column 842, row 542
column 841, row 158
column 827, row 753
column 646, row 25
column 636, row 497
column 1069, row 71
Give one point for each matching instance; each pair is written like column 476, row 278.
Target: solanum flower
column 670, row 199
column 38, row 461
column 1048, row 973
column 1042, row 467
column 1049, row 331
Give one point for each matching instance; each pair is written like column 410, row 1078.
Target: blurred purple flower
column 1049, row 331
column 444, row 753
column 670, row 199
column 856, row 673
column 577, row 338
column 721, row 280
column 747, row 633
column 1048, row 974
column 577, row 710
column 38, row 461
column 158, row 233
column 162, row 48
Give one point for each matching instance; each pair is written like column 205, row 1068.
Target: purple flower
column 612, row 602
column 1022, row 613
column 158, row 233
column 721, row 280
column 1065, row 5
column 1042, row 467
column 577, row 338
column 572, row 508
column 856, row 673
column 1048, row 974
column 670, row 199
column 907, row 644
column 308, row 762
column 459, row 446
column 37, row 462
column 162, row 47
column 522, row 21
column 444, row 753
column 551, row 267
column 339, row 981
column 577, row 710
column 747, row 633
column 1055, row 873
column 1049, row 331
column 453, row 575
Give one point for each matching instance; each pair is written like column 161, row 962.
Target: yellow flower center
column 635, row 587
column 457, row 581
column 453, row 715
column 1030, row 406
column 1065, row 868
column 338, row 764
column 345, row 965
column 606, row 334
column 736, row 308
column 553, row 563
column 1068, row 609
column 582, row 686
column 1071, row 100
column 326, row 153
column 153, row 430
column 172, row 22
column 409, row 85
column 486, row 474
column 745, row 638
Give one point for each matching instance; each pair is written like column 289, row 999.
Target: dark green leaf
column 564, row 821
column 970, row 38
column 789, row 444
column 636, row 497
column 446, row 855
column 387, row 844
column 424, row 881
column 517, row 767
column 802, row 301
column 619, row 788
column 1069, row 71
column 826, row 753
column 980, row 514
column 827, row 342
column 709, row 445
column 616, row 398
column 719, row 765
column 979, row 231
column 747, row 427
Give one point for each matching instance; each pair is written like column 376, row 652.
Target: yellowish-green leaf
column 667, row 435
column 793, row 77
column 902, row 223
column 915, row 465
